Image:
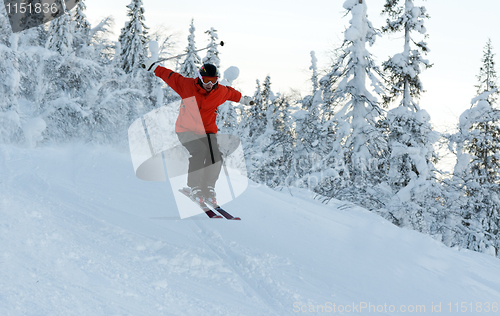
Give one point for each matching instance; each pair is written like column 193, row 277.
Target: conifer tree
column 100, row 47
column 267, row 105
column 61, row 32
column 5, row 28
column 82, row 25
column 487, row 74
column 31, row 18
column 415, row 198
column 251, row 125
column 272, row 160
column 10, row 123
column 192, row 63
column 309, row 132
column 307, row 150
column 254, row 126
column 314, row 69
column 258, row 112
column 404, row 68
column 477, row 177
column 475, row 219
column 212, row 56
column 133, row 38
column 353, row 161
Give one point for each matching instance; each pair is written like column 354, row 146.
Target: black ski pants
column 206, row 159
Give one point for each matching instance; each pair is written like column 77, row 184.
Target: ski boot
column 196, row 195
column 210, row 196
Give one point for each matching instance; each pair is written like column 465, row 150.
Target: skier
column 196, row 124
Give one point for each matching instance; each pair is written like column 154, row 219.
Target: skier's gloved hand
column 246, row 100
column 150, row 64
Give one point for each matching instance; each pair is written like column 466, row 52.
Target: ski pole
column 180, row 55
column 198, row 50
column 228, row 179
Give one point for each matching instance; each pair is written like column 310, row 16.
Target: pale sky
column 275, row 38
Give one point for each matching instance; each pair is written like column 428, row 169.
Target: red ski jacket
column 202, row 106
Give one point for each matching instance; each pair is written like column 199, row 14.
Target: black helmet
column 209, row 70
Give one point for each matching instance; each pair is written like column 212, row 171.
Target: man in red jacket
column 196, row 124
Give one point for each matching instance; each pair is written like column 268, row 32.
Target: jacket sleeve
column 173, row 79
column 233, row 95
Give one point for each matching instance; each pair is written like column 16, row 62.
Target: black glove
column 246, row 100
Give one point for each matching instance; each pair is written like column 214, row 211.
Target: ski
column 223, row 212
column 206, row 207
column 203, row 206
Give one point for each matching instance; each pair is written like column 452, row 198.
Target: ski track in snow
column 80, row 235
column 241, row 266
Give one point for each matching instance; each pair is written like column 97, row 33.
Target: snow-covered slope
column 80, row 235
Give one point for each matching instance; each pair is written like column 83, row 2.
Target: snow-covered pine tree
column 267, row 107
column 254, row 119
column 192, row 63
column 30, row 17
column 309, row 133
column 404, row 68
column 212, row 56
column 33, row 36
column 253, row 124
column 474, row 222
column 101, row 48
column 353, row 172
column 36, row 36
column 307, row 150
column 328, row 85
column 10, row 123
column 272, row 160
column 314, row 69
column 82, row 25
column 415, row 196
column 133, row 38
column 487, row 78
column 477, row 177
column 61, row 33
column 250, row 124
column 5, row 28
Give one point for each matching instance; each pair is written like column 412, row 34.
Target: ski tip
column 235, row 219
